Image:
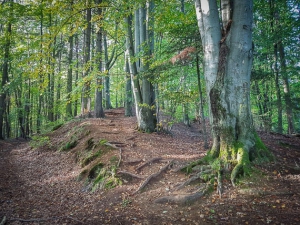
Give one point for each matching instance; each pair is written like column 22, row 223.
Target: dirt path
column 41, row 187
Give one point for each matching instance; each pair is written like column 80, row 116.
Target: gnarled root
column 153, row 176
column 242, row 164
column 193, row 178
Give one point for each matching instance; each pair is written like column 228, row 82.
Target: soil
column 41, row 186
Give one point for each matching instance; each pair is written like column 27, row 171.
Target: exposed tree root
column 191, row 179
column 219, row 186
column 120, row 158
column 153, row 176
column 130, row 174
column 135, row 161
column 180, row 199
column 242, row 163
column 111, row 145
column 148, row 162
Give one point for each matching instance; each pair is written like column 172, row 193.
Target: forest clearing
column 40, row 185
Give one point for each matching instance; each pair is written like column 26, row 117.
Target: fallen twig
column 153, row 176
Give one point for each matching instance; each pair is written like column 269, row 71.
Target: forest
column 136, row 101
column 62, row 59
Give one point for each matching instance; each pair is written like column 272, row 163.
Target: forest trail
column 40, row 186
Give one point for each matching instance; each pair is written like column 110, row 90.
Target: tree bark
column 286, row 89
column 144, row 99
column 128, row 90
column 3, row 89
column 86, row 98
column 227, row 69
column 70, row 71
column 99, row 113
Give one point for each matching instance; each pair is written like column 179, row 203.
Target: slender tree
column 5, row 70
column 99, row 50
column 86, row 98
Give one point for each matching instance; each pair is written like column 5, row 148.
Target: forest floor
column 40, row 185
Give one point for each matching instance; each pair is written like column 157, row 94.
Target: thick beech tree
column 228, row 54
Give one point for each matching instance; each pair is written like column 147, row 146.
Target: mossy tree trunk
column 227, row 68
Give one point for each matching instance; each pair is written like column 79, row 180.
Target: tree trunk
column 108, row 63
column 143, row 100
column 132, row 65
column 128, row 90
column 86, row 98
column 276, row 69
column 76, row 73
column 286, row 89
column 227, row 69
column 3, row 88
column 147, row 120
column 99, row 113
column 201, row 110
column 70, row 72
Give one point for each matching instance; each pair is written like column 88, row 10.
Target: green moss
column 91, row 158
column 95, row 170
column 90, row 144
column 69, row 145
column 261, row 153
column 103, row 142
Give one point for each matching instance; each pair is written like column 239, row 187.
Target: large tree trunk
column 227, row 68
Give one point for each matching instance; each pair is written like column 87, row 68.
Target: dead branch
column 148, row 162
column 153, row 176
column 130, row 174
